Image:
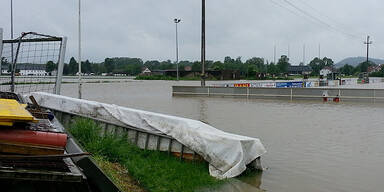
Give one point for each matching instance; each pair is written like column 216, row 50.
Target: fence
column 344, row 94
column 32, row 62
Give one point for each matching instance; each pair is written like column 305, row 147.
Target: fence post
column 60, row 66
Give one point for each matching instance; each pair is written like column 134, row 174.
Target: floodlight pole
column 177, row 49
column 203, row 44
column 79, row 59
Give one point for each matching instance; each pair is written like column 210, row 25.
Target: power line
column 324, row 15
column 317, row 19
column 310, row 17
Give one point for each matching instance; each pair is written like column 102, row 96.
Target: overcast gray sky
column 246, row 28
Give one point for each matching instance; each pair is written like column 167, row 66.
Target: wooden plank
column 26, row 149
column 146, row 141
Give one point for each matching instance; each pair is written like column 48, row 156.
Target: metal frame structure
column 44, row 38
column 1, row 47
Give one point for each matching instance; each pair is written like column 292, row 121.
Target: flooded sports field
column 312, row 146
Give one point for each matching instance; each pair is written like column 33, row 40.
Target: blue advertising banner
column 289, row 85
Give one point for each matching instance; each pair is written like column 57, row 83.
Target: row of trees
column 134, row 66
column 362, row 67
column 249, row 68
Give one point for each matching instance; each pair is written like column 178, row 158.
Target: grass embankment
column 153, row 171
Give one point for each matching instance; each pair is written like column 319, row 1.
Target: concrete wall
column 365, row 95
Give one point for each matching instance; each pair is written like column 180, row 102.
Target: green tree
column 363, row 67
column 283, row 64
column 73, row 66
column 109, row 65
column 328, row 62
column 86, row 67
column 50, row 66
column 347, row 69
column 272, row 68
column 317, row 64
column 255, row 65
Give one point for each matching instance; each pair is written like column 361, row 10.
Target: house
column 146, row 72
column 375, row 68
column 299, row 70
column 326, row 71
column 27, row 69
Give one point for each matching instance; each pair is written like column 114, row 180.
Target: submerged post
column 203, row 44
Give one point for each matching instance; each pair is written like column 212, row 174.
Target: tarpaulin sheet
column 227, row 154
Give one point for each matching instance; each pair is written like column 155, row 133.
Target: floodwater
column 312, row 146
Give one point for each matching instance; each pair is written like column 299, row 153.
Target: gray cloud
column 145, row 28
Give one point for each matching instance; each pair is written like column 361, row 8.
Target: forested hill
column 355, row 61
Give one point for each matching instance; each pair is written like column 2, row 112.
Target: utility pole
column 203, row 44
column 79, row 59
column 177, row 49
column 319, row 51
column 368, row 43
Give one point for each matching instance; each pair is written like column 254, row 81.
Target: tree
column 50, row 66
column 347, row 69
column 272, row 69
column 73, row 66
column 328, row 62
column 363, row 67
column 109, row 65
column 86, row 67
column 255, row 65
column 283, row 64
column 316, row 64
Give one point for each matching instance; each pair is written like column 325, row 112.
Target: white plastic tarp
column 227, row 154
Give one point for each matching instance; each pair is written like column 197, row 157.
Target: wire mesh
column 32, row 60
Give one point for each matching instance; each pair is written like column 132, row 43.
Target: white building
column 27, row 69
column 325, row 71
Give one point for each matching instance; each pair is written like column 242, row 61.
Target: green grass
column 154, row 171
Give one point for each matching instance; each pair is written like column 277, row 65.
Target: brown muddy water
column 312, row 146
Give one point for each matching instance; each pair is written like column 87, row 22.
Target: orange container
column 34, row 137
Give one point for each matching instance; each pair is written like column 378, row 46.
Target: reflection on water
column 248, row 183
column 203, row 111
column 311, row 146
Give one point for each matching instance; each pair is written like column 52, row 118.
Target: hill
column 354, row 61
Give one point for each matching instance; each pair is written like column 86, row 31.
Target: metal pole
column 79, row 60
column 304, row 54
column 60, row 67
column 177, row 49
column 1, row 50
column 319, row 50
column 203, row 43
column 12, row 29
